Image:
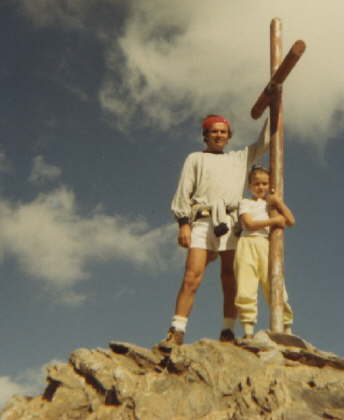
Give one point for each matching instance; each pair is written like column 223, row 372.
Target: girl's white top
column 258, row 210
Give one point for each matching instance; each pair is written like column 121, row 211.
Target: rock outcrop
column 272, row 377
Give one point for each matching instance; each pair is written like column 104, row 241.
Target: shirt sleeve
column 182, row 200
column 244, row 207
column 257, row 150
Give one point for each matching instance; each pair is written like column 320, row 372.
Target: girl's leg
column 245, row 266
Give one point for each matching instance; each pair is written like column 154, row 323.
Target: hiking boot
column 173, row 338
column 246, row 340
column 248, row 337
column 227, row 335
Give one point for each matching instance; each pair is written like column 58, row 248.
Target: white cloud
column 176, row 61
column 8, row 388
column 52, row 242
column 44, row 12
column 43, row 172
column 29, row 383
column 184, row 60
column 100, row 16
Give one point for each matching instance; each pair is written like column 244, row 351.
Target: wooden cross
column 272, row 97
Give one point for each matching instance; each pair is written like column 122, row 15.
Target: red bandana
column 209, row 121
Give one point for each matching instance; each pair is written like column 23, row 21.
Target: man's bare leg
column 196, row 262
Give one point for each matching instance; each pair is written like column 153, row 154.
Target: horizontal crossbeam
column 278, row 78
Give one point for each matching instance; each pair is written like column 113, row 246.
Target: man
column 205, row 205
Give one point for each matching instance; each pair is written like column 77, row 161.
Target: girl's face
column 217, row 137
column 259, row 185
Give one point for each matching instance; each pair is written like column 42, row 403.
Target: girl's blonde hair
column 257, row 168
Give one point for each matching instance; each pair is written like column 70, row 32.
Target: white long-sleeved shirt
column 208, row 178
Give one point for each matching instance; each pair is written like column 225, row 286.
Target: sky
column 101, row 101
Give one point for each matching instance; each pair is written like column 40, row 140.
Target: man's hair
column 257, row 168
column 205, row 130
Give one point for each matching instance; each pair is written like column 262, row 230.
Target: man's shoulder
column 194, row 156
column 238, row 154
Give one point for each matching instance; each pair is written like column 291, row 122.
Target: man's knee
column 192, row 280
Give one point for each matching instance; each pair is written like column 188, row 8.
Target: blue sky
column 101, row 102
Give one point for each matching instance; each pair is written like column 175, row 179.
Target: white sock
column 228, row 323
column 179, row 322
column 248, row 328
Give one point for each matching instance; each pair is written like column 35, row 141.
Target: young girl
column 251, row 258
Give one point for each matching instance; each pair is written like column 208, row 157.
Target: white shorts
column 203, row 236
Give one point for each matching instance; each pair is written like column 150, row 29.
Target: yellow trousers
column 251, row 268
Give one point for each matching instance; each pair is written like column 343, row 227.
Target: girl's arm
column 280, row 205
column 251, row 224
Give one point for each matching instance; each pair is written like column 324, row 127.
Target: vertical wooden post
column 276, row 256
column 272, row 97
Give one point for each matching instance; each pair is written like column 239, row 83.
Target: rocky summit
column 272, row 377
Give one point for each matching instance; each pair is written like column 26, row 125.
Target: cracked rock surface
column 272, row 377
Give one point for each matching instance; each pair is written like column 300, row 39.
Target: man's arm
column 257, row 150
column 181, row 203
column 184, row 236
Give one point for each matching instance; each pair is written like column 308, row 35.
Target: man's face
column 217, row 137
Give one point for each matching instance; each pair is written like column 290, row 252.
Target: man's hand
column 184, row 236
